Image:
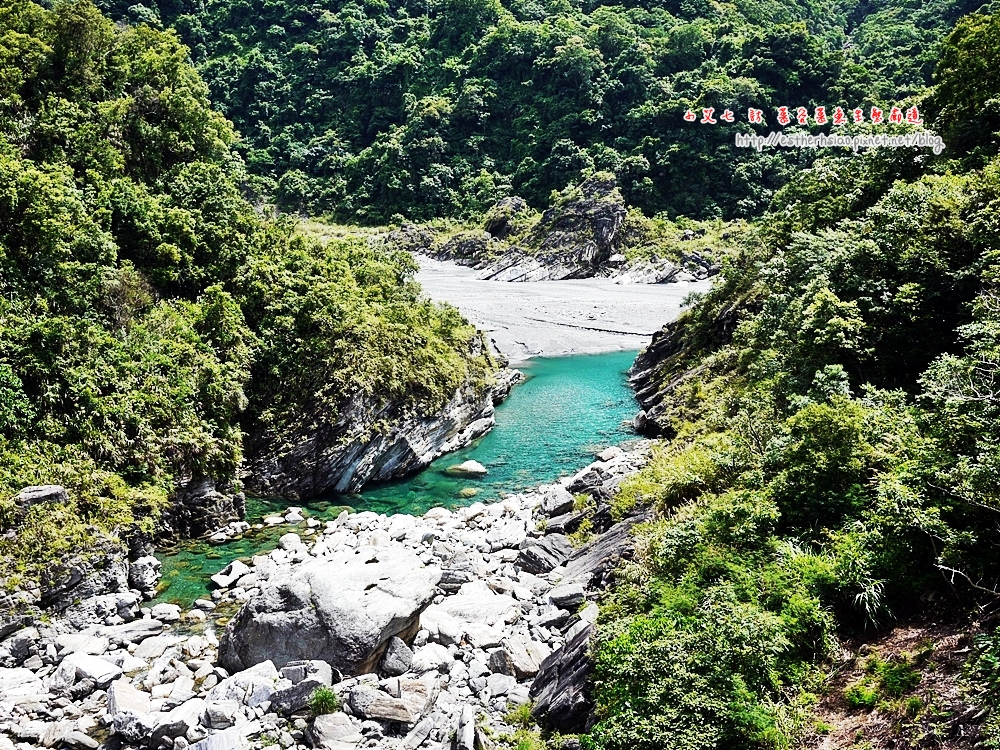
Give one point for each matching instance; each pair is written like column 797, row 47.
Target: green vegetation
column 149, row 315
column 831, row 407
column 885, row 680
column 369, row 110
column 520, row 716
column 526, row 735
column 323, row 701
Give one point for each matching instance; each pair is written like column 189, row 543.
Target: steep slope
column 151, row 318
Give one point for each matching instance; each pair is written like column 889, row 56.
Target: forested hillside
column 148, row 314
column 428, row 108
column 832, row 467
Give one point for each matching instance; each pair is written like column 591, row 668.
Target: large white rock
column 17, row 647
column 178, row 722
column 441, row 626
column 476, row 602
column 507, row 534
column 526, row 655
column 153, row 648
column 250, row 687
column 430, row 657
column 342, row 609
column 234, row 738
column 83, row 643
column 144, row 573
column 468, row 468
column 129, row 710
column 166, row 612
column 230, row 574
column 77, row 667
column 17, row 682
column 369, row 703
column 336, row 731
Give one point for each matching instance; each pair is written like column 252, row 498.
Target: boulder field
column 424, row 631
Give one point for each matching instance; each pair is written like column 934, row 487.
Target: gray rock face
column 249, row 687
column 567, row 523
column 525, row 656
column 581, row 236
column 82, row 613
column 378, row 706
column 344, row 456
column 296, row 697
column 42, row 494
column 654, row 375
column 201, row 505
column 129, row 710
column 557, row 501
column 568, row 596
column 223, row 714
column 178, row 722
column 572, row 240
column 398, row 657
column 342, row 610
column 297, row 671
column 101, row 569
column 542, row 555
column 131, row 632
column 465, row 733
column 593, row 564
column 560, row 692
column 144, row 573
column 16, row 648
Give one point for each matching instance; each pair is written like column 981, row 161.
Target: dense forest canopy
column 148, row 313
column 372, row 110
column 832, row 468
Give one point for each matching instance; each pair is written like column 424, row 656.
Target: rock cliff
column 371, row 441
column 665, row 365
column 585, row 233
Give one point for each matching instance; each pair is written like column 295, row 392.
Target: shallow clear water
column 549, row 427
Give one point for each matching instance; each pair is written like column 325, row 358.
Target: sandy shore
column 549, row 318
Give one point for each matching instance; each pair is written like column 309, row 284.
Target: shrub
column 520, row 716
column 324, row 701
column 861, row 695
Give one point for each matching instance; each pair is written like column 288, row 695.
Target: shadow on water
column 549, row 427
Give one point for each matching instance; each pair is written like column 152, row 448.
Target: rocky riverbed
column 552, row 318
column 429, row 630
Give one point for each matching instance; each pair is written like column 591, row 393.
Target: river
column 566, row 409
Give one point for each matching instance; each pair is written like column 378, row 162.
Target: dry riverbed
column 550, row 318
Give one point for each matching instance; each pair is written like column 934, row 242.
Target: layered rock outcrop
column 664, row 366
column 371, row 441
column 584, row 234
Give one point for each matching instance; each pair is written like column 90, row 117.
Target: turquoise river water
column 549, row 427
